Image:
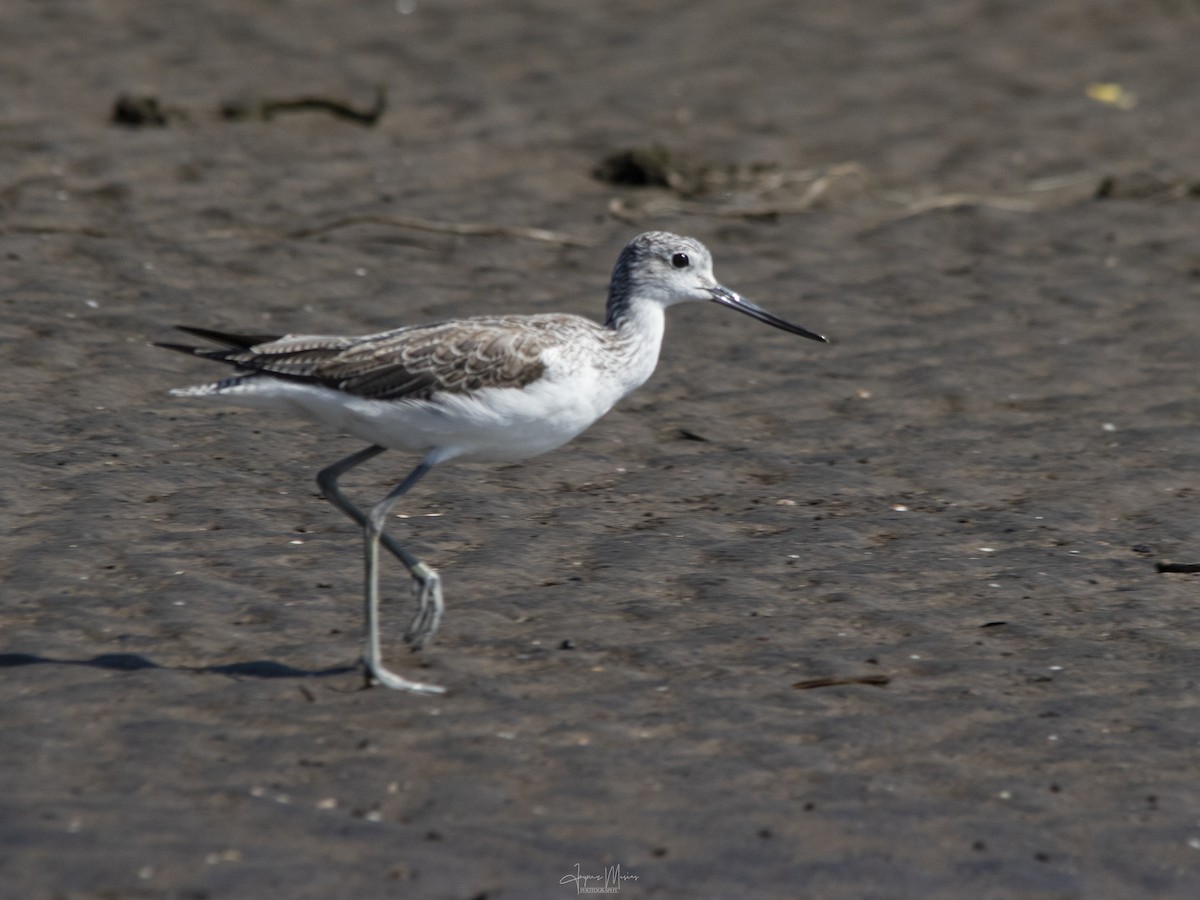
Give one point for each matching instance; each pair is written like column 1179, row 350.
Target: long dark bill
column 726, row 297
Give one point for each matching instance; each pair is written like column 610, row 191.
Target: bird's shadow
column 131, row 662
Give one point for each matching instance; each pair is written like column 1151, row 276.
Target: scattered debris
column 138, row 111
column 1184, row 568
column 1112, row 95
column 643, row 167
column 754, row 191
column 1142, row 185
column 689, row 185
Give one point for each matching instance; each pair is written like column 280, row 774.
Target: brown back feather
column 414, row 362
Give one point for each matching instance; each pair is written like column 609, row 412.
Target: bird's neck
column 637, row 330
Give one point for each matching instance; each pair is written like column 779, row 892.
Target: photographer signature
column 607, row 882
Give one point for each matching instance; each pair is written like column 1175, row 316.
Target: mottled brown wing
column 415, row 362
column 452, row 357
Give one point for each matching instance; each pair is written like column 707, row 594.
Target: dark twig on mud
column 691, row 188
column 462, row 228
column 1185, row 568
column 267, row 109
column 874, row 680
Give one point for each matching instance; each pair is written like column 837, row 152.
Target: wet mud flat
column 878, row 619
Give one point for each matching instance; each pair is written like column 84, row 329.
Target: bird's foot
column 427, row 585
column 377, row 674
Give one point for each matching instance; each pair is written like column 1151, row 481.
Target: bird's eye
column 680, row 260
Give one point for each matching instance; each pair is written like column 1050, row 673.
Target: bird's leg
column 425, row 577
column 426, row 582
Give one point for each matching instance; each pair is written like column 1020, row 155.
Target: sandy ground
column 956, row 508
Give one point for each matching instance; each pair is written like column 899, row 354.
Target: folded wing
column 407, row 363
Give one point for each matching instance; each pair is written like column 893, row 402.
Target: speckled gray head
column 664, row 268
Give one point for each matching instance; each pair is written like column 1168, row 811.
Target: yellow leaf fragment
column 1112, row 94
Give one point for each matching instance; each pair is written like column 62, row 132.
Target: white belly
column 490, row 425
